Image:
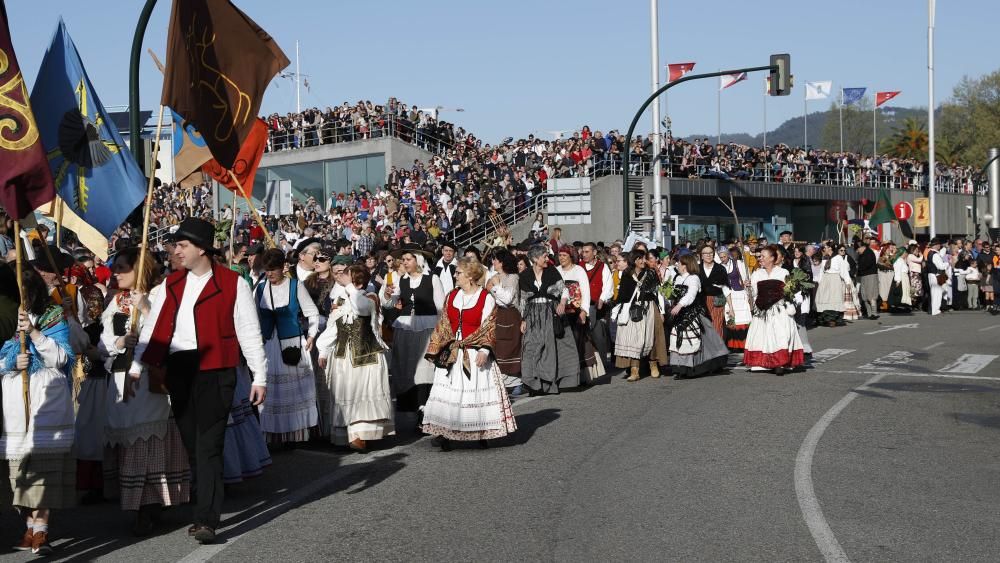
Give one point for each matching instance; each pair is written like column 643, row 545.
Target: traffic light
column 780, row 81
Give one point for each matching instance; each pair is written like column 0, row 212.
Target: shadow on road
column 986, row 421
column 527, row 424
column 933, row 387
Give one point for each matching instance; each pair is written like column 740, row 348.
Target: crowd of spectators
column 467, row 179
column 595, row 154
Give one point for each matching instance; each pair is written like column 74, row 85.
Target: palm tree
column 948, row 152
column 910, row 141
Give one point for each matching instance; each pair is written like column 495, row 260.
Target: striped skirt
column 154, row 470
column 717, row 315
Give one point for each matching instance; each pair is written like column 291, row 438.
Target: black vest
column 929, row 266
column 418, row 301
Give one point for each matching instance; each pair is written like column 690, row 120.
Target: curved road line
column 808, row 503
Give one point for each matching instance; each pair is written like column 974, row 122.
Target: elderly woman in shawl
column 468, row 401
column 38, row 425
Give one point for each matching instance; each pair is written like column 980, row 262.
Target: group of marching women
column 349, row 351
column 686, row 313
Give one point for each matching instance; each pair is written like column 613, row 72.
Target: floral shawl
column 443, row 339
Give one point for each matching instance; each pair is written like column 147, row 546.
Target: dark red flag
column 247, row 161
column 25, row 178
column 219, row 63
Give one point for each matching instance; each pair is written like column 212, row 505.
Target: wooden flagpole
column 256, row 214
column 23, row 338
column 147, row 209
column 59, row 218
column 739, row 237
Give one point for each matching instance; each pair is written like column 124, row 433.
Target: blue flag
column 853, row 95
column 95, row 174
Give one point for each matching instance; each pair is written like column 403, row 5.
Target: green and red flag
column 25, row 178
column 883, row 212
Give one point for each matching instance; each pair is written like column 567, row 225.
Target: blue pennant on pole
column 853, row 95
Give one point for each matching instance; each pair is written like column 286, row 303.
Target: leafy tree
column 857, row 127
column 970, row 120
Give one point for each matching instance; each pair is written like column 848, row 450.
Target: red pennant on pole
column 883, row 97
column 678, row 70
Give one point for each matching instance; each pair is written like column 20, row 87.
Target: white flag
column 818, row 90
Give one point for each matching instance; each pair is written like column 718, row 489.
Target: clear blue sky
column 518, row 66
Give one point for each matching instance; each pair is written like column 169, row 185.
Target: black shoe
column 445, row 445
column 484, row 444
column 204, row 535
column 436, row 441
column 779, row 371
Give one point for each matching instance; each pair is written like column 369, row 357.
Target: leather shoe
column 204, row 534
column 358, row 445
column 25, row 544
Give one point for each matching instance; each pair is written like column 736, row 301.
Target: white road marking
column 932, row 346
column 889, row 362
column 989, row 328
column 205, row 552
column 911, row 374
column 829, row 354
column 808, row 503
column 969, row 363
column 894, row 327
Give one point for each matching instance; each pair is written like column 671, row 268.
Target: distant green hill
column 791, row 132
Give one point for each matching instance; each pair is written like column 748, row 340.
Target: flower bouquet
column 667, row 289
column 795, row 282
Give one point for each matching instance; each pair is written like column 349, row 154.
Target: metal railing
column 482, row 230
column 854, row 177
column 337, row 131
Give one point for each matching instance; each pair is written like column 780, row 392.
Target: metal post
column 930, row 112
column 134, row 141
column 841, row 108
column 298, row 81
column 638, row 114
column 765, row 112
column 994, row 193
column 654, row 45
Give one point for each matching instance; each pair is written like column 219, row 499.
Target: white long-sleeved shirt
column 185, row 332
column 417, row 322
column 606, row 286
column 306, row 305
column 693, row 284
column 839, row 266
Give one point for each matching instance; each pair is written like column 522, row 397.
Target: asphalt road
column 884, row 450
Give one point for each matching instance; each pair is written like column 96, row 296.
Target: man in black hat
column 936, row 269
column 201, row 320
column 445, row 267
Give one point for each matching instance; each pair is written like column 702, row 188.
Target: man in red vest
column 200, row 320
column 601, row 288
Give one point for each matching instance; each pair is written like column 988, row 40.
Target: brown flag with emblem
column 219, row 63
column 25, row 178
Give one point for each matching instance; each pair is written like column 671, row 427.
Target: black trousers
column 201, row 402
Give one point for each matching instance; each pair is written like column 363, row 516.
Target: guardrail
column 855, row 177
column 344, row 131
column 484, row 229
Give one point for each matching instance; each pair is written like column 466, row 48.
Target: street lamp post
column 653, row 97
